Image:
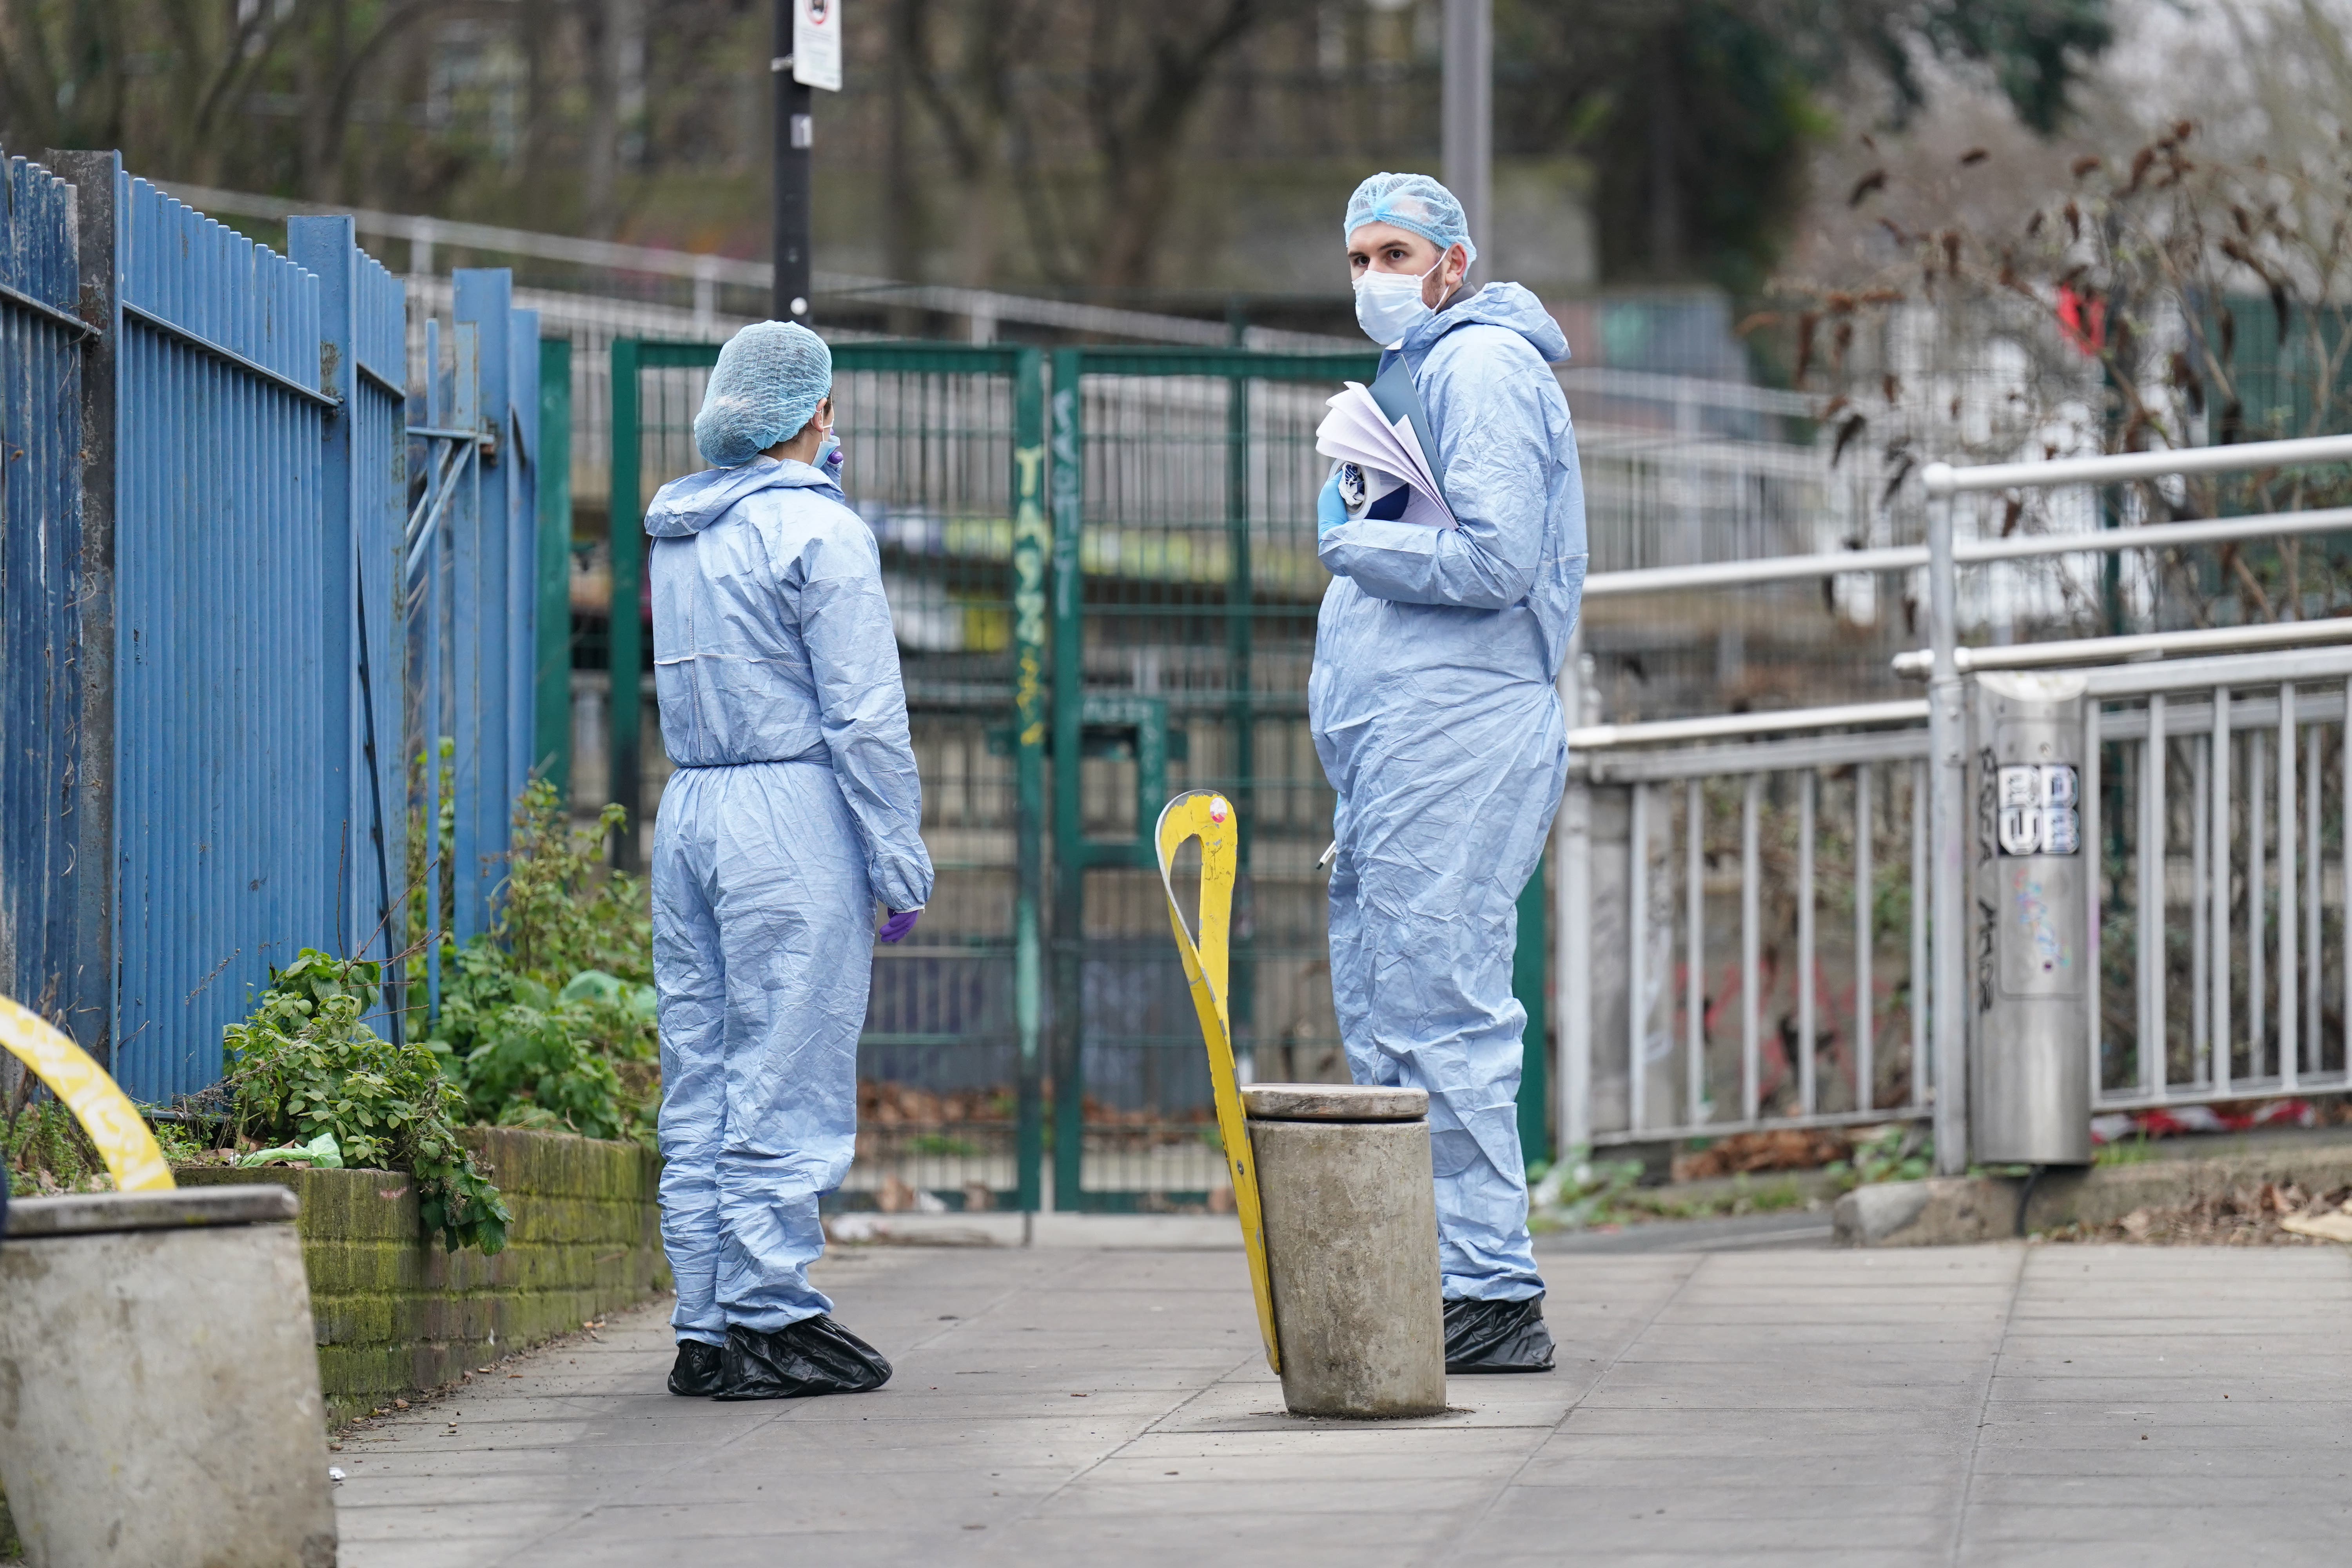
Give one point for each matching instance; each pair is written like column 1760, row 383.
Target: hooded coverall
column 794, row 809
column 1434, row 710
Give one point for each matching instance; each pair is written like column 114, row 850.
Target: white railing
column 2235, row 1010
column 2247, row 1018
column 1836, row 802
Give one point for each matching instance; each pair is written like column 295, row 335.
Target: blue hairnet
column 1413, row 202
column 768, row 382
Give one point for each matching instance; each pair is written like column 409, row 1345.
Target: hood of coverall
column 691, row 504
column 1507, row 305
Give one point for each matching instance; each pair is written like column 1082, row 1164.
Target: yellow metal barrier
column 106, row 1112
column 1209, row 817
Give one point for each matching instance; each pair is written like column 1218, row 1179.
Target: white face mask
column 1387, row 304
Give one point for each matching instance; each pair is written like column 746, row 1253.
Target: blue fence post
column 378, row 418
column 44, row 345
column 323, row 248
column 87, row 998
column 466, row 609
column 364, row 496
column 429, row 664
column 483, row 296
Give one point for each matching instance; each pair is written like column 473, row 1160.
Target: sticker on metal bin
column 2041, row 808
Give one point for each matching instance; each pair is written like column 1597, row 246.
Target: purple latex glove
column 895, row 927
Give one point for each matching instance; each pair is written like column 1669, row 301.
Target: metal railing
column 2236, row 1007
column 1771, row 816
column 1799, row 819
column 212, row 691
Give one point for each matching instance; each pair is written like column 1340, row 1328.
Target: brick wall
column 395, row 1312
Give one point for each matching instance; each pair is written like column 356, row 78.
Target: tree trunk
column 599, row 175
column 1668, row 246
column 902, row 208
column 325, row 116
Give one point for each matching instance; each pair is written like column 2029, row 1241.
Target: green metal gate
column 1184, row 590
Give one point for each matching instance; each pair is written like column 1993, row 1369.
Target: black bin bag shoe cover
column 1496, row 1336
column 815, row 1355
column 696, row 1376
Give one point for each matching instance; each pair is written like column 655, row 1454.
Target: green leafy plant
column 47, row 1152
column 526, row 1057
column 431, row 901
column 943, row 1144
column 565, row 911
column 303, row 1063
column 177, row 1139
column 1902, row 1154
column 1591, row 1193
column 547, row 1021
column 581, row 1059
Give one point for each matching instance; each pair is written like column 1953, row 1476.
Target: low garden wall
column 395, row 1312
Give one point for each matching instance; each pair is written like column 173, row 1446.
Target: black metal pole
column 794, row 102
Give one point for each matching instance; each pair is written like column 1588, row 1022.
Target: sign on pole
column 816, row 44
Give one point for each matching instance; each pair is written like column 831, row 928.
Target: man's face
column 1384, row 248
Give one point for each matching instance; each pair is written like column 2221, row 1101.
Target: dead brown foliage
column 1750, row 1153
column 2244, row 1216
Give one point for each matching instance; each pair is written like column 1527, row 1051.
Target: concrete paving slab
column 1737, row 1233
column 1277, row 1540
column 2176, row 1551
column 1998, row 1404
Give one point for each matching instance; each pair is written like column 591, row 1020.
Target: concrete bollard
column 159, row 1387
column 1350, row 1209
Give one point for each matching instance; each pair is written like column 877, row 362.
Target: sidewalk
column 1993, row 1405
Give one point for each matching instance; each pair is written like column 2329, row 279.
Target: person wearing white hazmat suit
column 793, row 813
column 1433, row 708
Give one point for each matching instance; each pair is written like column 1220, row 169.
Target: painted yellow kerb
column 1209, row 817
column 106, row 1112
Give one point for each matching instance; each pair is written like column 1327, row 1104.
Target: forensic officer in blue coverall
column 793, row 813
column 1433, row 707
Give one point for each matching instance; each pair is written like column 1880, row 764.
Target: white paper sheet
column 1356, row 431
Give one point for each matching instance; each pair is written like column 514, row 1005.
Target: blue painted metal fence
column 205, row 754
column 223, row 780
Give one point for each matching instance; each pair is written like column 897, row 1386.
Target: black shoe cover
column 815, row 1355
column 696, row 1376
column 1496, row 1336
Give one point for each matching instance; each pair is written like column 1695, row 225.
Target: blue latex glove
column 1331, row 510
column 897, row 925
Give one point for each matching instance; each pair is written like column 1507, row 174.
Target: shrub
column 545, row 1021
column 302, row 1064
column 565, row 911
column 529, row 1057
column 46, row 1150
